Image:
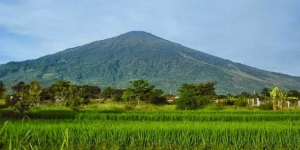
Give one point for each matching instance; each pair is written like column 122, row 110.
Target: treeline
column 196, row 96
column 23, row 95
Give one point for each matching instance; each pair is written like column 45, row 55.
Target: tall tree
column 265, row 92
column 141, row 89
column 2, row 91
column 59, row 90
column 74, row 97
column 198, row 89
column 91, row 91
column 20, row 99
column 107, row 93
column 128, row 96
column 112, row 93
column 194, row 96
column 35, row 91
column 294, row 93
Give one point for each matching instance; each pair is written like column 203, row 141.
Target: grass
column 107, row 133
column 114, row 126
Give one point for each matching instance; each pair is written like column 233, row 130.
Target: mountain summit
column 141, row 55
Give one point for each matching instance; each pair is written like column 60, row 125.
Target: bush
column 2, row 104
column 203, row 100
column 159, row 100
column 229, row 102
column 188, row 102
column 74, row 104
column 266, row 106
column 23, row 105
column 117, row 98
column 241, row 102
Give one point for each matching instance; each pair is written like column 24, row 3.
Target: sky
column 260, row 33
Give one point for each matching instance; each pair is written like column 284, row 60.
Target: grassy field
column 149, row 127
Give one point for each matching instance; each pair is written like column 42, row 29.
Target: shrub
column 241, row 102
column 159, row 100
column 2, row 104
column 23, row 105
column 186, row 102
column 117, row 98
column 74, row 104
column 266, row 106
column 229, row 102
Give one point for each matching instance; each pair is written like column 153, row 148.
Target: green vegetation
column 191, row 96
column 195, row 96
column 139, row 117
column 24, row 96
column 139, row 55
column 168, row 129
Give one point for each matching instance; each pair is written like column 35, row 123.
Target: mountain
column 141, row 55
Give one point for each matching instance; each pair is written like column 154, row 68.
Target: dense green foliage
column 141, row 90
column 152, row 130
column 111, row 93
column 2, row 91
column 133, row 128
column 139, row 55
column 24, row 95
column 191, row 97
column 195, row 96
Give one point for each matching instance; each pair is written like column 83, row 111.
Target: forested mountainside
column 141, row 55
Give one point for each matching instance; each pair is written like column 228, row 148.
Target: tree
column 198, row 89
column 111, row 93
column 47, row 94
column 186, row 101
column 58, row 90
column 156, row 97
column 295, row 94
column 91, row 91
column 35, row 91
column 74, row 97
column 107, row 93
column 2, row 91
column 194, row 96
column 71, row 95
column 128, row 96
column 265, row 92
column 3, row 94
column 21, row 99
column 141, row 90
column 244, row 95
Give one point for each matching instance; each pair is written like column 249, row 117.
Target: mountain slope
column 136, row 55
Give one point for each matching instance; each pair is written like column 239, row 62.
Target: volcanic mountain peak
column 137, row 54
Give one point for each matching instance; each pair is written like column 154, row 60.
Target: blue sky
column 261, row 33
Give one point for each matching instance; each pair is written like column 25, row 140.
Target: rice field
column 151, row 130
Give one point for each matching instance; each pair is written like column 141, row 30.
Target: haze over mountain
column 141, row 55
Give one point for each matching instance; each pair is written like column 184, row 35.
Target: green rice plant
column 156, row 130
column 2, row 129
column 65, row 142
